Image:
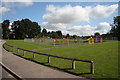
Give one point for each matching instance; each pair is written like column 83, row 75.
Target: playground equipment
column 101, row 40
column 38, row 40
column 64, row 41
column 33, row 40
column 91, row 40
column 95, row 40
column 56, row 41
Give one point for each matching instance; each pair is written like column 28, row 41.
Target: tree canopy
column 25, row 29
column 44, row 32
column 5, row 28
column 115, row 30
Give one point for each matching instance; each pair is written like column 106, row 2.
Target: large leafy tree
column 25, row 28
column 49, row 34
column 32, row 29
column 0, row 30
column 59, row 33
column 67, row 36
column 115, row 30
column 18, row 29
column 44, row 32
column 36, row 29
column 97, row 34
column 54, row 34
column 5, row 28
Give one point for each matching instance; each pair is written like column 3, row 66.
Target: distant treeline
column 28, row 29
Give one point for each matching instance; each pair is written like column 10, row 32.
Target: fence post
column 17, row 50
column 73, row 64
column 33, row 55
column 48, row 58
column 92, row 68
column 24, row 53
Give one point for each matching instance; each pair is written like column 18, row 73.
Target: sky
column 75, row 18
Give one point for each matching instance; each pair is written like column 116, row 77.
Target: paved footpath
column 28, row 69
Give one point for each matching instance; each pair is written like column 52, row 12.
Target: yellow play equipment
column 91, row 40
column 33, row 40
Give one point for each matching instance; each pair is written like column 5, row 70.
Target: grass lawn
column 26, row 45
column 104, row 55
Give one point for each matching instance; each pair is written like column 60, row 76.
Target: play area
column 65, row 41
column 104, row 55
column 54, row 42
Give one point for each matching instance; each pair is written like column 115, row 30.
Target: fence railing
column 73, row 59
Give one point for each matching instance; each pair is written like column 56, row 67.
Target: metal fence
column 73, row 59
column 110, row 38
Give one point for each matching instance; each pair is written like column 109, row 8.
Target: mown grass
column 26, row 45
column 104, row 55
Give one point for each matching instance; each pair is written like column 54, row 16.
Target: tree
column 25, row 29
column 5, row 28
column 36, row 29
column 67, row 36
column 32, row 29
column 54, row 34
column 59, row 33
column 74, row 36
column 115, row 30
column 18, row 29
column 97, row 34
column 44, row 32
column 0, row 30
column 49, row 34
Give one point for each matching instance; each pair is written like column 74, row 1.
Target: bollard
column 73, row 64
column 24, row 53
column 48, row 58
column 92, row 68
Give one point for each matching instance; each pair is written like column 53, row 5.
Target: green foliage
column 59, row 33
column 74, row 36
column 115, row 30
column 54, row 34
column 25, row 29
column 97, row 34
column 0, row 30
column 44, row 32
column 5, row 28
